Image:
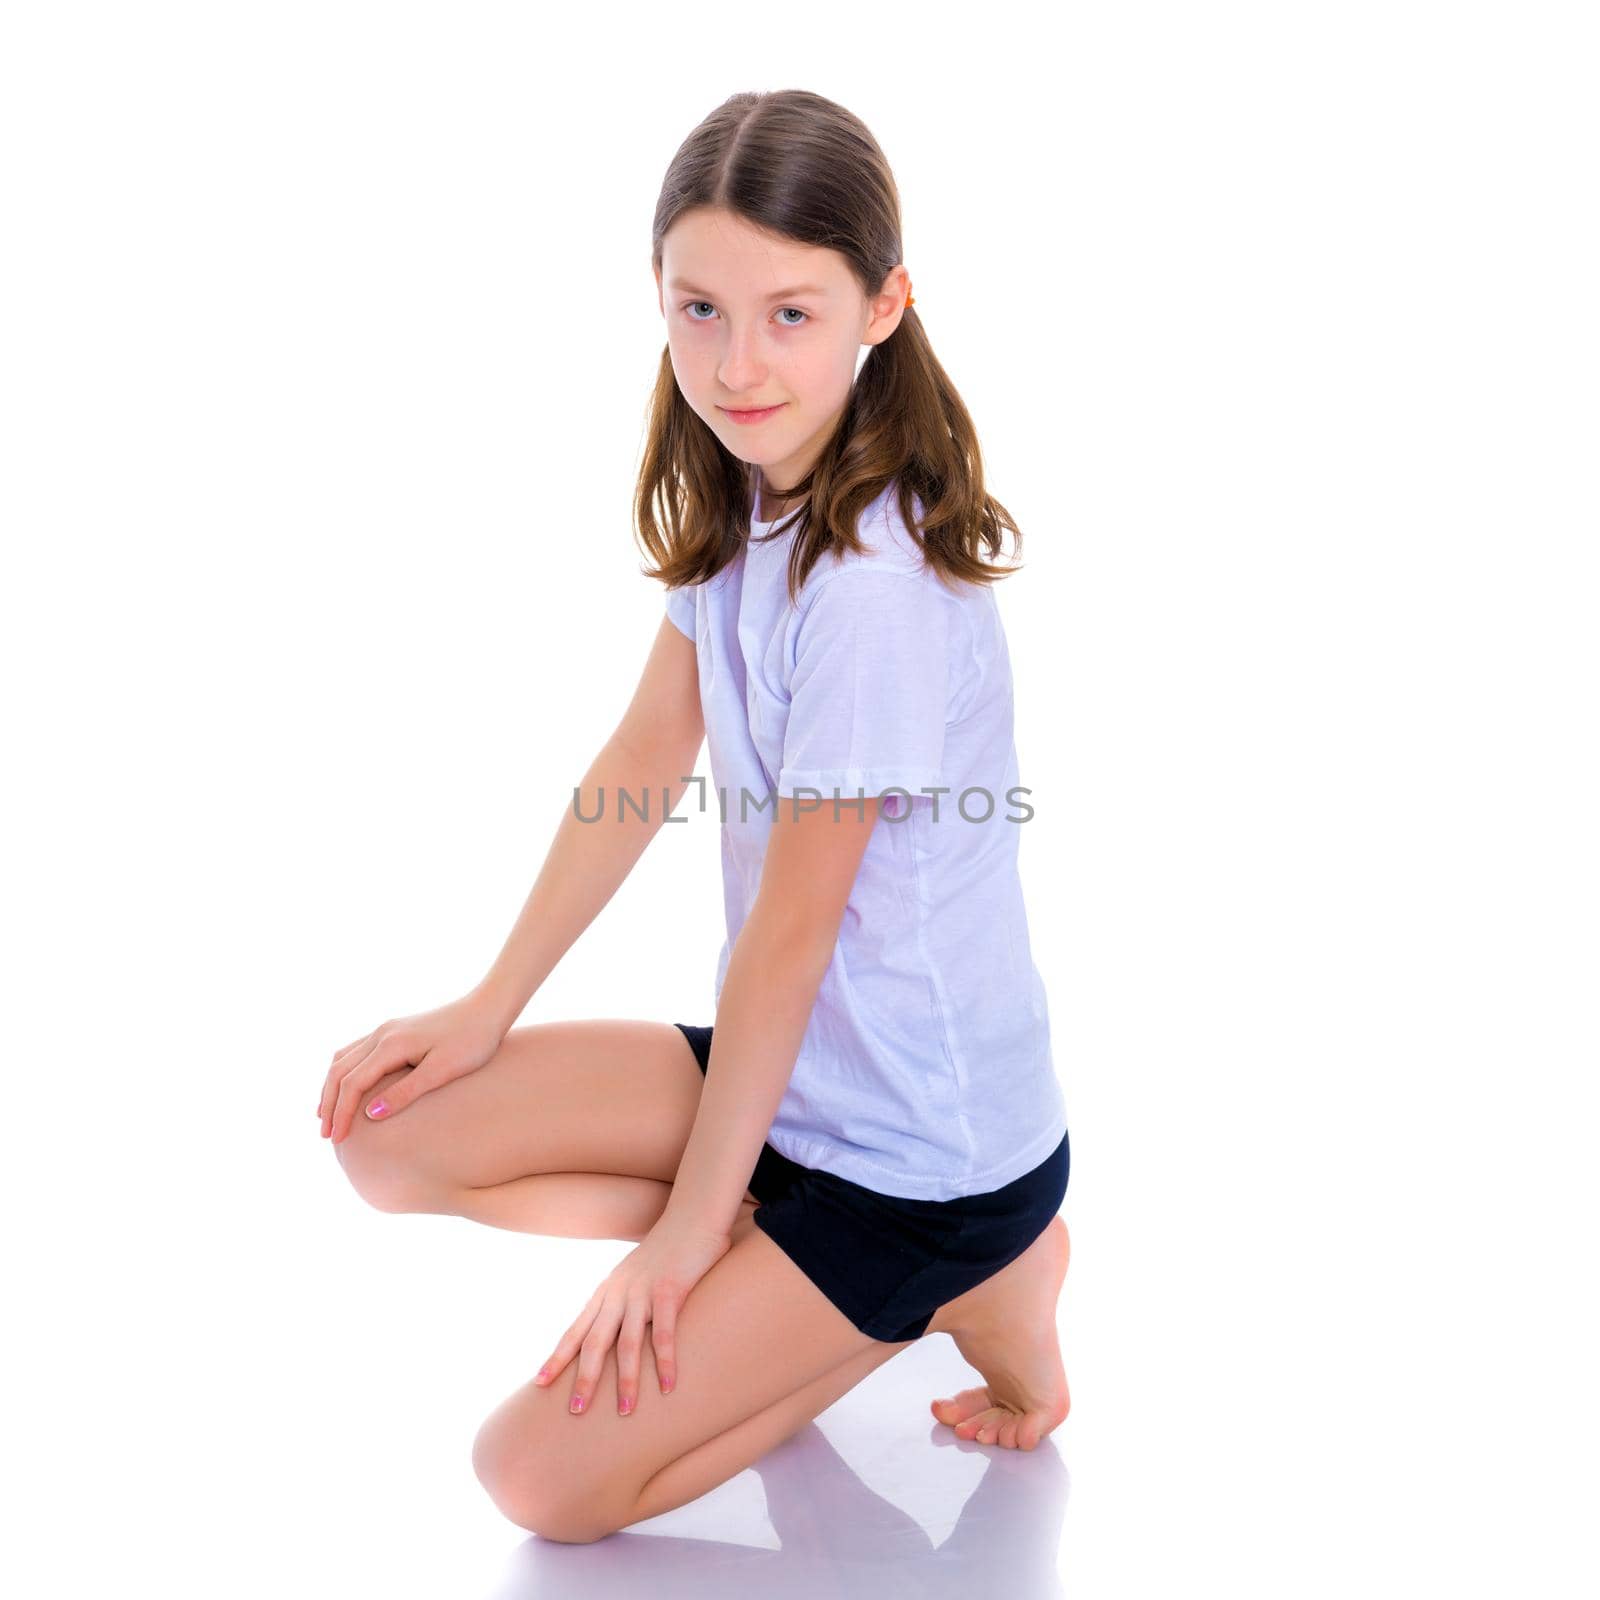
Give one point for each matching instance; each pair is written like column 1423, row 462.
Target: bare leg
column 566, row 1205
column 718, row 1459
column 532, row 1131
column 608, row 1207
column 521, row 1144
column 1005, row 1327
column 769, row 1352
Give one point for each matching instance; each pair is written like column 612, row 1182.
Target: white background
column 327, row 336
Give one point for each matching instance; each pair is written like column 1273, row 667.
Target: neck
column 771, row 504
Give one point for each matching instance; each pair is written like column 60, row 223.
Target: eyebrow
column 679, row 287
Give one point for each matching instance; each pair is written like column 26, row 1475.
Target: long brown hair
column 804, row 168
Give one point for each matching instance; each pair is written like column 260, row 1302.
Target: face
column 756, row 321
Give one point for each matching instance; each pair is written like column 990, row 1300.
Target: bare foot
column 1008, row 1332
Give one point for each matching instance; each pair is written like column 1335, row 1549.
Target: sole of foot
column 1010, row 1337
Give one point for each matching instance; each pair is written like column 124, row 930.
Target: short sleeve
column 680, row 607
column 869, row 692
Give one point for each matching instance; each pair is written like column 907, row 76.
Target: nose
column 743, row 368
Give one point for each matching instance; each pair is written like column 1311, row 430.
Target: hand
column 442, row 1045
column 650, row 1284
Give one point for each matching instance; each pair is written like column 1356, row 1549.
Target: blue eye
column 797, row 311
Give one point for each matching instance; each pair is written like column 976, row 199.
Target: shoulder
column 889, row 570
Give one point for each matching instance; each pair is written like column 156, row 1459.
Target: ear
column 888, row 305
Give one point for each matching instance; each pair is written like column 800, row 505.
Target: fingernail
column 666, row 1388
column 377, row 1109
column 541, row 1376
column 626, row 1406
column 577, row 1402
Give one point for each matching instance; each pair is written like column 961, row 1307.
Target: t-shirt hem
column 857, row 782
column 828, row 1158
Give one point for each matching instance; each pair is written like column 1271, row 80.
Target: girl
column 870, row 1145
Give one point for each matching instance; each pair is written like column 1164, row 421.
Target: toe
column 968, row 1403
column 1008, row 1432
column 995, row 1423
column 1036, row 1424
column 987, row 1420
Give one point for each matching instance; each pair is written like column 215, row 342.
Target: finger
column 630, row 1348
column 343, row 1059
column 402, row 1092
column 330, row 1092
column 358, row 1080
column 570, row 1342
column 383, row 1058
column 592, row 1357
column 365, row 1038
column 664, row 1340
column 330, row 1100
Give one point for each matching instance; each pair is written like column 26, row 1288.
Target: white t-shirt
column 925, row 1070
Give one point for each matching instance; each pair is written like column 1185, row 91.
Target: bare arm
column 650, row 757
column 774, row 971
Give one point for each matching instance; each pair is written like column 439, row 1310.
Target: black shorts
column 887, row 1262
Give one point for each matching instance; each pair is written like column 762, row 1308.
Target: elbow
column 667, row 758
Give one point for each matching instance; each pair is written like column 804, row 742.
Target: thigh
column 581, row 1096
column 752, row 1332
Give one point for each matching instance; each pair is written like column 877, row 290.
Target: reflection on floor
column 874, row 1499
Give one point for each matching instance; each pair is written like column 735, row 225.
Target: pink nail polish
column 577, row 1402
column 626, row 1406
column 377, row 1108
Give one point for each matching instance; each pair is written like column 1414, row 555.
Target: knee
column 381, row 1163
column 387, row 1187
column 529, row 1486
